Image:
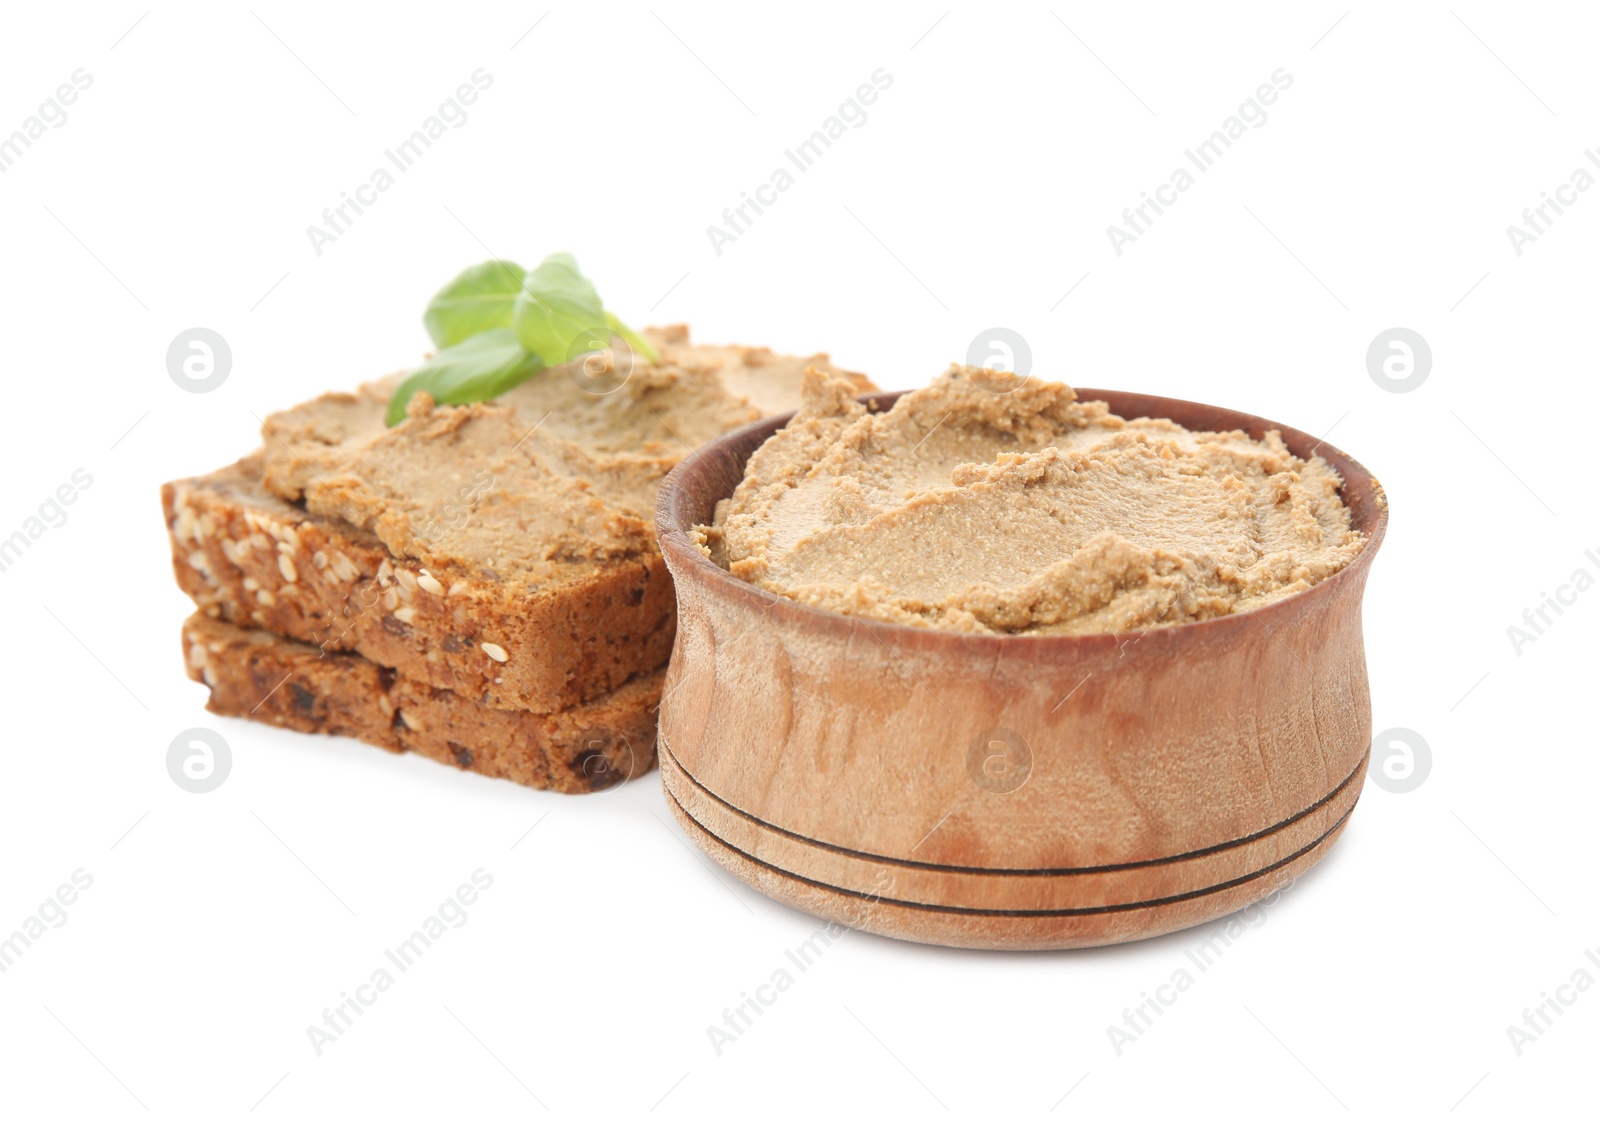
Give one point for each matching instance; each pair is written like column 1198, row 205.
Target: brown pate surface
column 560, row 471
column 983, row 503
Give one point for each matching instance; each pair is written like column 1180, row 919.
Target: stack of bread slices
column 479, row 584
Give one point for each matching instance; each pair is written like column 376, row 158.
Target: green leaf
column 480, row 299
column 558, row 314
column 476, row 369
column 640, row 345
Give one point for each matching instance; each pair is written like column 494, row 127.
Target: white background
column 1377, row 194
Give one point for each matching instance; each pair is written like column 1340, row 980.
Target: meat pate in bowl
column 997, row 664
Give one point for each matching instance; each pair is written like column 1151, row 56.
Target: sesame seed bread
column 504, row 551
column 265, row 677
column 248, row 557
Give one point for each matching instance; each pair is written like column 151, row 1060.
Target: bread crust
column 265, row 677
column 249, row 558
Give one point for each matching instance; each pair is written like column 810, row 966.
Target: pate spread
column 560, row 471
column 987, row 505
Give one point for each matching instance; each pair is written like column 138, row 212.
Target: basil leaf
column 480, row 299
column 640, row 345
column 558, row 314
column 476, row 369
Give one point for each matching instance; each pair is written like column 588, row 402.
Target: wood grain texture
column 1012, row 791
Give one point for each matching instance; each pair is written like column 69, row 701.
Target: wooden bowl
column 1021, row 791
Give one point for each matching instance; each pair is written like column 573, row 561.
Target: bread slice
column 504, row 551
column 250, row 558
column 265, row 677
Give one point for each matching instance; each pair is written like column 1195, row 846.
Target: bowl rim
column 687, row 562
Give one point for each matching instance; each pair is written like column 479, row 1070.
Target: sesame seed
column 457, row 588
column 495, row 651
column 405, row 615
column 286, row 567
column 430, row 583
